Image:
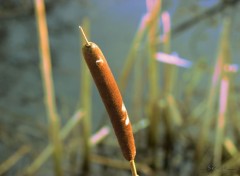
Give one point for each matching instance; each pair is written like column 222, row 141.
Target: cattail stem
column 133, row 168
column 119, row 164
column 230, row 147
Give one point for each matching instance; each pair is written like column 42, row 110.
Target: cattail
column 111, row 98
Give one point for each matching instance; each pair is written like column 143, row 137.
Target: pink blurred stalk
column 224, row 89
column 223, row 95
column 173, row 59
column 166, row 26
column 100, row 135
column 231, row 68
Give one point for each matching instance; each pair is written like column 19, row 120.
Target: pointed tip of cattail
column 84, row 35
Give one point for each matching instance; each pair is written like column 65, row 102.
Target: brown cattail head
column 111, row 98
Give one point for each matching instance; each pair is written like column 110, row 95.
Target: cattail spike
column 84, row 35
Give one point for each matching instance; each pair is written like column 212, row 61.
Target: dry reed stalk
column 169, row 112
column 85, row 105
column 230, row 147
column 196, row 75
column 234, row 107
column 101, row 134
column 153, row 7
column 136, row 127
column 208, row 116
column 169, row 73
column 221, row 122
column 46, row 70
column 198, row 110
column 85, row 99
column 128, row 64
column 140, row 125
column 120, row 164
column 138, row 88
column 224, row 92
column 174, row 112
column 47, row 152
column 95, row 139
column 146, row 23
column 111, row 97
column 12, row 160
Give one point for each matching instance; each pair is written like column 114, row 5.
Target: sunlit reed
column 46, row 70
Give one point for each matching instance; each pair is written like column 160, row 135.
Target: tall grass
column 224, row 93
column 212, row 98
column 46, row 70
column 12, row 160
column 85, row 99
column 49, row 150
column 154, row 8
column 147, row 22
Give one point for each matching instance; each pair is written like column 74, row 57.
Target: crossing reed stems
column 214, row 87
column 147, row 22
column 48, row 151
column 224, row 92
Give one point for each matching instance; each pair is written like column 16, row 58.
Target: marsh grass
column 85, row 99
column 146, row 23
column 46, row 70
column 223, row 94
column 218, row 75
column 154, row 8
column 48, row 151
column 12, row 160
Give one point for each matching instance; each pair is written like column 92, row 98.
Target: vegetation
column 200, row 130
